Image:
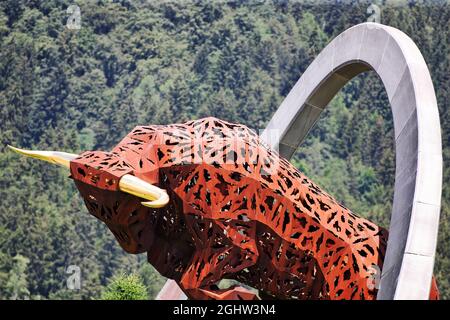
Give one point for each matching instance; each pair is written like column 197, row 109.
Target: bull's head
column 114, row 193
column 127, row 183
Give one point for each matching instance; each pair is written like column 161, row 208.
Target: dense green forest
column 160, row 62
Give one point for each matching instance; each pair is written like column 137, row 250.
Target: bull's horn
column 128, row 183
column 56, row 157
column 138, row 187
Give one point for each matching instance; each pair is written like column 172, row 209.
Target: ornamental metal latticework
column 237, row 211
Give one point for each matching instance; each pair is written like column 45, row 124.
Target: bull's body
column 237, row 211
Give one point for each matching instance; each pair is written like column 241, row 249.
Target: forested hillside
column 160, row 62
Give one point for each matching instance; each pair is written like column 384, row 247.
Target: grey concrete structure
column 171, row 291
column 408, row 266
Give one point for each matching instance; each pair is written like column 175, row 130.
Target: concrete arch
column 408, row 266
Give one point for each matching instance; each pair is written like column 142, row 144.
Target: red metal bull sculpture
column 207, row 200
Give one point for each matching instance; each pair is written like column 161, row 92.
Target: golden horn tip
column 162, row 201
column 140, row 188
column 55, row 157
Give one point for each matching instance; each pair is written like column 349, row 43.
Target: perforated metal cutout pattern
column 237, row 211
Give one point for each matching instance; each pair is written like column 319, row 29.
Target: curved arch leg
column 408, row 266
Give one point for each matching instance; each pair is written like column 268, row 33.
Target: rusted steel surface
column 237, row 211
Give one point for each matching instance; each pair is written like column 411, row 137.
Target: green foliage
column 16, row 286
column 151, row 279
column 125, row 287
column 144, row 62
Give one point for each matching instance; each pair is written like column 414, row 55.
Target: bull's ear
column 133, row 185
column 60, row 158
